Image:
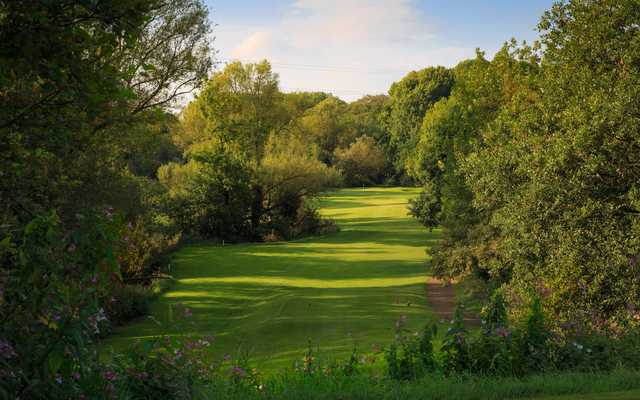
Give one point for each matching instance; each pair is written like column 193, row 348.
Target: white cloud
column 352, row 47
column 257, row 43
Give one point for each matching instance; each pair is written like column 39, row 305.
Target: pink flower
column 110, row 375
column 238, row 372
column 142, row 375
column 76, row 376
column 6, row 350
column 502, row 332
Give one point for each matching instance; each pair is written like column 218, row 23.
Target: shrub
column 127, row 302
column 410, row 355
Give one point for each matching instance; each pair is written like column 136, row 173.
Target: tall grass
column 361, row 387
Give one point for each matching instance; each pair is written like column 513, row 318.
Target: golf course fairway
column 271, row 300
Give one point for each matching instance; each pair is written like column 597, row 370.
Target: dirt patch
column 441, row 298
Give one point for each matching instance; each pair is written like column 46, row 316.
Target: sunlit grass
column 337, row 291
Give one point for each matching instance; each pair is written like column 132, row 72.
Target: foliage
column 410, row 98
column 291, row 168
column 326, row 126
column 209, row 196
column 50, row 308
column 523, row 167
column 557, row 169
column 73, row 77
column 411, row 355
column 242, row 106
column 246, row 176
column 363, row 163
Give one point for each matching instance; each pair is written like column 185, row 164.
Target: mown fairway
column 336, row 291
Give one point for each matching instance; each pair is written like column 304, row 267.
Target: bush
column 500, row 348
column 410, row 356
column 128, row 302
column 363, row 163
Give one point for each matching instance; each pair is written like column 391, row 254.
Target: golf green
column 335, row 291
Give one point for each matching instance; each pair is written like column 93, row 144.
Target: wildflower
column 238, row 372
column 110, row 375
column 126, row 238
column 94, row 279
column 71, row 248
column 401, row 321
column 502, row 332
column 130, row 225
column 101, row 316
column 188, row 313
column 59, row 379
column 6, row 350
column 76, row 376
column 142, row 375
column 578, row 346
column 631, row 307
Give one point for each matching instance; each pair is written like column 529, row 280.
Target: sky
column 356, row 47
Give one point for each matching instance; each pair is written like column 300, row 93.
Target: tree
column 326, row 126
column 362, row 163
column 73, row 77
column 292, row 175
column 210, row 195
column 243, row 106
column 558, row 171
column 411, row 97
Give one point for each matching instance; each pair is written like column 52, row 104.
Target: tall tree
column 73, row 75
column 559, row 171
column 242, row 106
column 411, row 97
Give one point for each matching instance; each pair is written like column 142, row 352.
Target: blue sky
column 357, row 47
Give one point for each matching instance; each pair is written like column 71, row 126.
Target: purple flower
column 130, row 225
column 76, row 376
column 238, row 372
column 227, row 357
column 110, row 375
column 126, row 238
column 502, row 332
column 142, row 375
column 6, row 350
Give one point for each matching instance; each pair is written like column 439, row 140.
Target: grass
column 337, row 291
column 271, row 300
column 617, row 385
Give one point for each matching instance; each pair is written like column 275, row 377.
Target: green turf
column 337, row 290
column 633, row 395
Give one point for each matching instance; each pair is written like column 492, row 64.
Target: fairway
column 337, row 291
